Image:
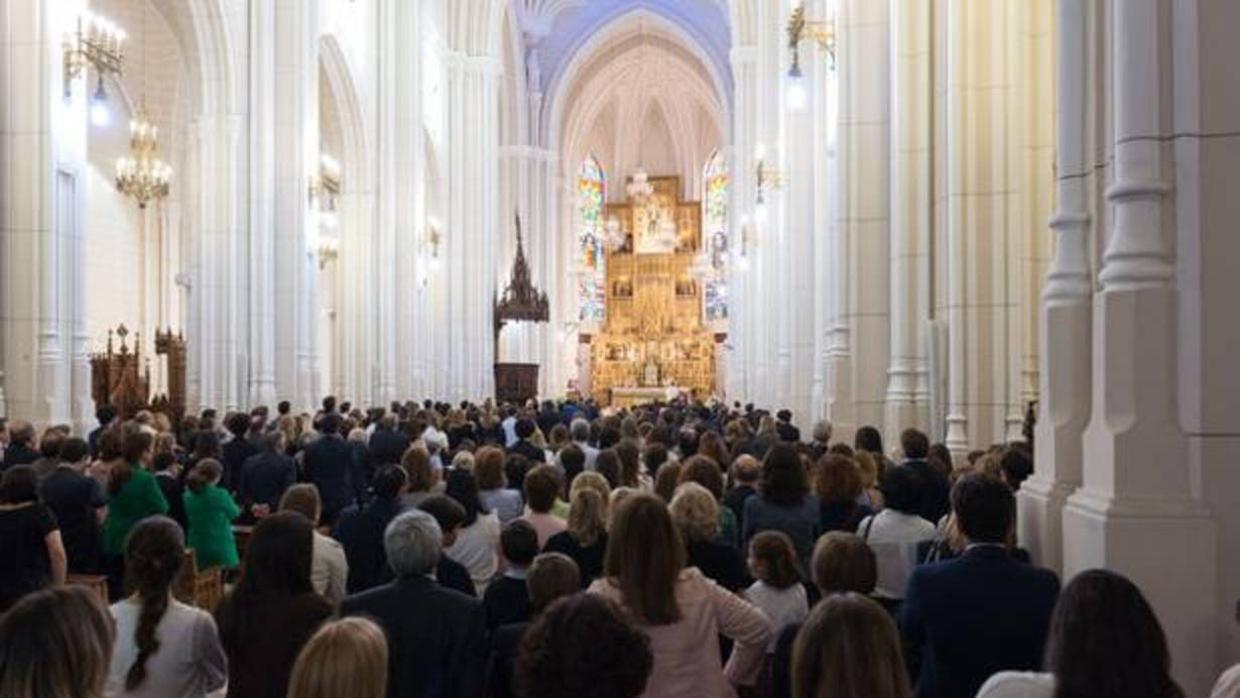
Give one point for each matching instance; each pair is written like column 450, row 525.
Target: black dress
column 589, row 558
column 25, row 565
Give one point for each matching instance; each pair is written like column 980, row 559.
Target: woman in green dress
column 210, row 511
column 133, row 495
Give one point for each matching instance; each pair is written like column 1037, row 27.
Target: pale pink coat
column 686, row 653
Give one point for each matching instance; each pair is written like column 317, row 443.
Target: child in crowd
column 778, row 591
column 506, row 599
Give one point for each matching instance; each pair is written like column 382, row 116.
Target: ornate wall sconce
column 766, row 178
column 99, row 43
column 325, row 189
column 800, row 29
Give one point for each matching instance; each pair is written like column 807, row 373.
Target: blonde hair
column 695, row 512
column 617, row 496
column 591, row 480
column 347, row 658
column 56, row 643
column 587, row 516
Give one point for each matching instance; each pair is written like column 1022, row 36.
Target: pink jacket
column 686, row 653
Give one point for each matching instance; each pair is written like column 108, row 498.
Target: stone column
column 261, row 389
column 469, row 245
column 1136, row 511
column 1065, row 315
column 295, row 155
column 42, row 146
column 910, row 214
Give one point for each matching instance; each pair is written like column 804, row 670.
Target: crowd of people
column 541, row 551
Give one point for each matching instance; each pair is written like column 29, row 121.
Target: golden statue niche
column 654, row 342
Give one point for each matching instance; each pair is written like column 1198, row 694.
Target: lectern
column 520, row 302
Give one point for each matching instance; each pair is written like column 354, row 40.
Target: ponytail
column 206, row 472
column 154, row 555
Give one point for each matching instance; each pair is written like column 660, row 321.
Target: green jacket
column 138, row 499
column 210, row 513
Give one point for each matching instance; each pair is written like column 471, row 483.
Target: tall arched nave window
column 591, row 191
column 715, row 225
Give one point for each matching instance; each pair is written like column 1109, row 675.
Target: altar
column 653, row 334
column 631, row 397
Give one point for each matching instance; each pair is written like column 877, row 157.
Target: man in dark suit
column 20, row 450
column 436, row 636
column 328, row 465
column 76, row 500
column 525, row 429
column 360, row 530
column 984, row 612
column 387, row 444
column 234, row 454
column 786, row 429
column 265, row 476
column 934, row 487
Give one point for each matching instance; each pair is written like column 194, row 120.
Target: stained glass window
column 590, row 197
column 715, row 227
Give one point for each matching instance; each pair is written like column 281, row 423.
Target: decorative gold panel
column 654, row 333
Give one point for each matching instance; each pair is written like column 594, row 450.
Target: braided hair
column 154, row 553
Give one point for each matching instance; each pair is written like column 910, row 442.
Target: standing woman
column 784, row 503
column 346, row 658
column 133, row 495
column 34, row 554
column 274, row 593
column 163, row 647
column 477, row 540
column 849, row 648
column 210, row 510
column 682, row 611
column 55, row 643
column 1105, row 642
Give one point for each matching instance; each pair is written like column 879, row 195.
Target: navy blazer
column 437, row 637
column 329, row 465
column 975, row 616
column 264, row 478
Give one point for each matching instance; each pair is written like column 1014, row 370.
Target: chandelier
column 639, row 187
column 142, row 176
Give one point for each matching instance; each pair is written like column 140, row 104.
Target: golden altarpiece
column 653, row 342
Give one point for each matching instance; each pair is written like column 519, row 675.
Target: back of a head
column 695, row 512
column 572, row 458
column 837, row 479
column 541, row 488
column 984, row 507
column 388, row 481
column 74, row 450
column 345, row 658
column 519, row 543
column 20, row 484
column 304, row 499
column 901, row 489
column 581, row 645
column 50, row 444
column 551, row 576
column 843, row 562
column 587, row 514
column 207, row 472
column 277, row 559
column 915, row 444
column 1105, row 641
column 413, row 542
column 580, row 430
column 849, row 648
column 783, row 475
column 868, row 439
column 237, row 423
column 644, row 557
column 704, row 472
column 56, row 643
column 448, row 513
column 607, row 464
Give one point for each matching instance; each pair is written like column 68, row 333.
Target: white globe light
column 796, row 96
column 100, row 115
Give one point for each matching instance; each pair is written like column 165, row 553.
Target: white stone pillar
column 261, row 388
column 1136, row 512
column 42, row 146
column 909, row 269
column 1065, row 315
column 296, row 163
column 473, row 224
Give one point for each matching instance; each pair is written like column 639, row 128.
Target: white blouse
column 1018, row 684
column 189, row 663
column 476, row 548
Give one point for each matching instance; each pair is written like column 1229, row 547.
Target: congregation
column 542, row 551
